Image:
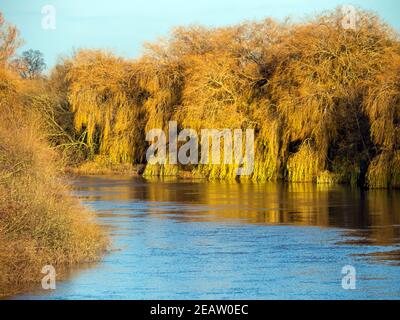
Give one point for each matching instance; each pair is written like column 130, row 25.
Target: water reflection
column 215, row 240
column 369, row 217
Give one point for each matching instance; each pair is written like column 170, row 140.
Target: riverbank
column 105, row 167
column 41, row 223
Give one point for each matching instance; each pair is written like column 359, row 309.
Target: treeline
column 323, row 100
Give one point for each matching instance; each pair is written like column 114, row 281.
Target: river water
column 215, row 240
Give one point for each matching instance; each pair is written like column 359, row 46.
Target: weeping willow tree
column 107, row 104
column 382, row 106
column 323, row 100
column 319, row 88
column 224, row 76
column 160, row 76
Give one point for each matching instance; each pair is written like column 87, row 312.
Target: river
column 214, row 240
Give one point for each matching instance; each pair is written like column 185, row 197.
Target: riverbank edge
column 95, row 168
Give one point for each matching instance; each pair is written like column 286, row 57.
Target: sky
column 124, row 25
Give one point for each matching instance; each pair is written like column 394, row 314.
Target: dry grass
column 40, row 223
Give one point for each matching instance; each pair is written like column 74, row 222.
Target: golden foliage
column 40, row 223
column 9, row 41
column 324, row 101
column 105, row 106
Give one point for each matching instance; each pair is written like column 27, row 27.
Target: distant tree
column 9, row 41
column 30, row 64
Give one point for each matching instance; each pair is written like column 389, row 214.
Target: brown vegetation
column 40, row 223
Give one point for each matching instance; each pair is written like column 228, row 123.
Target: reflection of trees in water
column 372, row 214
column 382, row 219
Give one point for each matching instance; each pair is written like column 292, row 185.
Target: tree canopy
column 323, row 100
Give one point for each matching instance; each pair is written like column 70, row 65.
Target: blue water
column 204, row 240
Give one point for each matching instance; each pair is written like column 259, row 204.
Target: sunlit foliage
column 324, row 101
column 9, row 41
column 107, row 105
column 40, row 223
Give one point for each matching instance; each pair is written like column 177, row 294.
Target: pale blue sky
column 123, row 25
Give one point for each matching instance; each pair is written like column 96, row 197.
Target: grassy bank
column 40, row 223
column 102, row 166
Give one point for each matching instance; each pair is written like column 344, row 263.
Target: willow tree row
column 324, row 101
